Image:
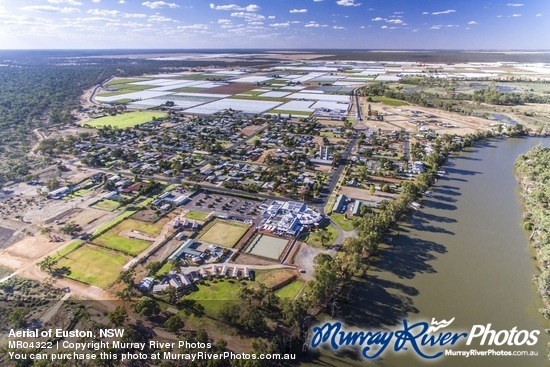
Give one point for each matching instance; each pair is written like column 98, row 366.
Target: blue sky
column 362, row 24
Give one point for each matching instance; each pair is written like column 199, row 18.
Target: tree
column 71, row 228
column 174, row 323
column 47, row 263
column 147, row 307
column 118, row 316
column 18, row 317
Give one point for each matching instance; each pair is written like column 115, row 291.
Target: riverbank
column 533, row 169
column 463, row 255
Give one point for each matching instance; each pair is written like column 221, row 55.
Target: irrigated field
column 126, row 119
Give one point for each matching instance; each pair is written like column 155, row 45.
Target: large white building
column 288, row 218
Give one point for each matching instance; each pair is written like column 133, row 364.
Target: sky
column 219, row 24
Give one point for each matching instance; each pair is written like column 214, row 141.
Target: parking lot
column 234, row 207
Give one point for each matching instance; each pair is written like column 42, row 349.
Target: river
column 463, row 255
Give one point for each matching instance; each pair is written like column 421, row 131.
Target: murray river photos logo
column 429, row 341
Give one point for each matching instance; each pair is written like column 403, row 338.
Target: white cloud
column 280, row 25
column 516, row 15
column 201, row 27
column 49, row 9
column 444, row 12
column 162, row 19
column 538, row 15
column 293, row 11
column 271, row 17
column 159, row 5
column 472, row 22
column 96, row 1
column 115, row 13
column 377, row 19
column 347, row 3
column 317, row 1
column 224, row 21
column 68, row 2
column 235, row 7
column 436, row 26
column 338, row 27
column 514, row 5
column 499, row 16
column 122, row 1
column 425, row 12
column 395, row 21
column 312, row 24
column 248, row 16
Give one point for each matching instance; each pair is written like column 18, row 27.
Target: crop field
column 224, row 233
column 94, row 265
column 389, row 101
column 126, row 120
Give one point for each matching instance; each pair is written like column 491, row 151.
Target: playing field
column 267, row 246
column 94, row 265
column 224, row 233
column 132, row 246
column 126, row 120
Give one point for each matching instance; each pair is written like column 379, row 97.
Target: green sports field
column 126, row 119
column 224, row 233
column 94, row 265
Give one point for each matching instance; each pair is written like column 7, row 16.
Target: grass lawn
column 68, row 249
column 164, row 270
column 340, row 219
column 131, row 246
column 106, row 204
column 152, row 229
column 196, row 215
column 126, row 119
column 224, row 233
column 314, row 238
column 214, row 295
column 113, row 222
column 389, row 101
column 94, row 265
column 290, row 291
column 330, row 204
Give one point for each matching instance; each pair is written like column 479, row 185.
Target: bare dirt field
column 363, row 194
column 234, row 88
column 251, row 129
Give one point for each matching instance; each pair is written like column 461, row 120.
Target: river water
column 463, row 255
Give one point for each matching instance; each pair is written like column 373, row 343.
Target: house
column 339, row 204
column 59, row 193
column 146, row 284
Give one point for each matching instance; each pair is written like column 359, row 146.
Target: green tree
column 118, row 316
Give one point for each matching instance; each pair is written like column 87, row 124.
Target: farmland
column 127, row 119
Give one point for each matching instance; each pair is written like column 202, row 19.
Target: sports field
column 267, row 246
column 224, row 233
column 126, row 120
column 132, row 246
column 94, row 265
